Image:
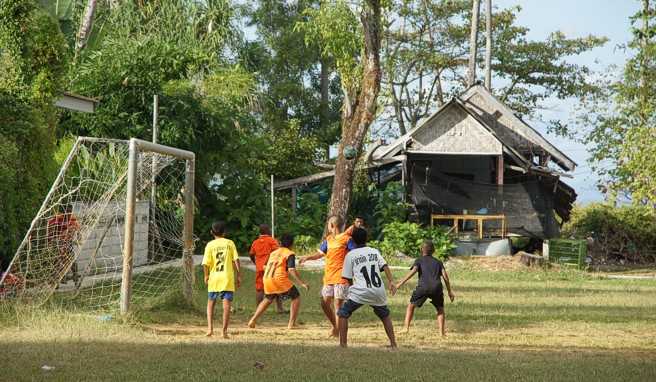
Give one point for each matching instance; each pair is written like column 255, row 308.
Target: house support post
column 500, row 170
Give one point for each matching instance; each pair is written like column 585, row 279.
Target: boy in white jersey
column 362, row 268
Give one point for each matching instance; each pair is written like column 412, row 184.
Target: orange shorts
column 259, row 281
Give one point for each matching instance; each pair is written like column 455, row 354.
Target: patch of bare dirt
column 487, row 263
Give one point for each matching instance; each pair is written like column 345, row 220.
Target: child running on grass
column 281, row 264
column 220, row 266
column 429, row 286
column 334, row 249
column 362, row 268
column 259, row 253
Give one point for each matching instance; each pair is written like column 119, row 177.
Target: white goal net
column 76, row 245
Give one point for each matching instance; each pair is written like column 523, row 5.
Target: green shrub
column 390, row 206
column 407, row 238
column 625, row 233
column 305, row 244
column 404, row 237
column 444, row 243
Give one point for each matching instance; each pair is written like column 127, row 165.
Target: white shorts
column 338, row 291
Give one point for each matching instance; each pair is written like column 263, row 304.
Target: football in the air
column 349, row 152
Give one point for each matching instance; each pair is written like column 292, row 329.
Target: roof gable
column 504, row 121
column 454, row 131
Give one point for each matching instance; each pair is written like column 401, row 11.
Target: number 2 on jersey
column 374, row 279
column 220, row 261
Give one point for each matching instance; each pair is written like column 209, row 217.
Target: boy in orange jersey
column 335, row 288
column 281, row 264
column 259, row 254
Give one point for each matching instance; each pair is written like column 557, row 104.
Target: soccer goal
column 116, row 227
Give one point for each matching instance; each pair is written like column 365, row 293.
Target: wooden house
column 474, row 165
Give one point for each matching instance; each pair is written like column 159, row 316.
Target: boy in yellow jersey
column 220, row 265
column 281, row 264
column 335, row 288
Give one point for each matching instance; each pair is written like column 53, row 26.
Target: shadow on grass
column 554, row 291
column 227, row 361
column 515, row 315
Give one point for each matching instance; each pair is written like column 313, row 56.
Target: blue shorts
column 351, row 306
column 222, row 295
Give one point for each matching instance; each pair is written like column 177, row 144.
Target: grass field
column 504, row 325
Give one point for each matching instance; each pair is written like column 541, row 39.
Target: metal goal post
column 136, row 148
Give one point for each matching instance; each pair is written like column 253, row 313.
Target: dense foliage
column 250, row 104
column 33, row 58
column 618, row 234
column 298, row 84
column 406, row 238
column 618, row 122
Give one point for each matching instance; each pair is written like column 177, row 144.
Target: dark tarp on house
column 528, row 206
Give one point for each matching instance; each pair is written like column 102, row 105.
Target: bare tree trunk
column 473, row 42
column 85, row 26
column 643, row 62
column 356, row 124
column 324, row 106
column 488, row 45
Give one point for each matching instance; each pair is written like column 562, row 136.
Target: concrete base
column 484, row 247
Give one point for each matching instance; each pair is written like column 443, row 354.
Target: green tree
column 622, row 117
column 298, row 83
column 209, row 103
column 354, row 45
column 426, row 50
column 33, row 57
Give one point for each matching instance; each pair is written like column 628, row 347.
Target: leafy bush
column 390, row 206
column 404, row 237
column 444, row 243
column 619, row 234
column 308, row 219
column 378, row 205
column 33, row 59
column 305, row 244
column 407, row 238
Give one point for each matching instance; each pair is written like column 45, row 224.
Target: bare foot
column 208, row 334
column 251, row 324
column 334, row 333
column 292, row 327
column 392, row 347
column 405, row 331
column 225, row 335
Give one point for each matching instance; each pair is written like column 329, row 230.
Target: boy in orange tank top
column 277, row 284
column 259, row 254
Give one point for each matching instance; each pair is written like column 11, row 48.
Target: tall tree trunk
column 488, row 45
column 473, row 43
column 324, row 115
column 356, row 123
column 643, row 62
column 85, row 26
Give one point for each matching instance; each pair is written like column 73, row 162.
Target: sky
column 577, row 18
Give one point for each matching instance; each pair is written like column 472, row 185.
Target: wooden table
column 478, row 218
